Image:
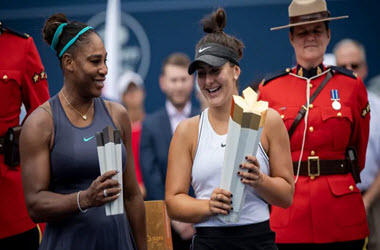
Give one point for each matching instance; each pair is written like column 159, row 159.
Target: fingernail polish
column 117, row 171
column 238, row 172
column 231, row 202
column 231, row 195
column 246, row 157
column 240, row 166
column 241, row 179
column 232, row 208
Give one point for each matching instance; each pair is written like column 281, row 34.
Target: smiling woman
column 197, row 151
column 60, row 168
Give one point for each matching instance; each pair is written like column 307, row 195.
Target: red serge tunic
column 328, row 208
column 22, row 80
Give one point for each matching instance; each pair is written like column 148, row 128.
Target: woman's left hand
column 253, row 177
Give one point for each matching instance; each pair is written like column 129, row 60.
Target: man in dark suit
column 157, row 132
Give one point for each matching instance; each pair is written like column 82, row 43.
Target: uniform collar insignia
column 319, row 70
column 301, row 71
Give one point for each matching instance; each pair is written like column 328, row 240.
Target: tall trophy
column 244, row 132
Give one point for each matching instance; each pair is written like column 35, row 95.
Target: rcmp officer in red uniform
column 326, row 112
column 22, row 80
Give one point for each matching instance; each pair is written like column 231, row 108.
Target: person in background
column 132, row 97
column 23, row 80
column 326, row 112
column 351, row 55
column 60, row 166
column 157, row 131
column 196, row 155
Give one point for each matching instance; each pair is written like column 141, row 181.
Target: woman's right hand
column 220, row 202
column 102, row 190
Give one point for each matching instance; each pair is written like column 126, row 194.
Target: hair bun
column 51, row 25
column 215, row 22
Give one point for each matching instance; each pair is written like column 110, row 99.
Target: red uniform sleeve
column 361, row 116
column 34, row 85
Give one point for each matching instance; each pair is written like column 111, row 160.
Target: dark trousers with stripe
column 248, row 237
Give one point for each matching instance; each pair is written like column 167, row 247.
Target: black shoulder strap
column 7, row 29
column 271, row 77
column 303, row 109
column 344, row 71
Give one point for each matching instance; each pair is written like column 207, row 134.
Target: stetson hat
column 308, row 11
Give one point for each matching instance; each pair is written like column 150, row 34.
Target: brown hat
column 308, row 11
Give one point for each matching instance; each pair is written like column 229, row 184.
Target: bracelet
column 78, row 203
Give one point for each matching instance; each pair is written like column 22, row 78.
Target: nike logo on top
column 87, row 139
column 203, row 49
column 223, row 145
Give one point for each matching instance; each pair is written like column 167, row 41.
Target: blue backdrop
column 157, row 28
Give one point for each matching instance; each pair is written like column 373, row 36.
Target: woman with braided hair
column 60, row 168
column 197, row 151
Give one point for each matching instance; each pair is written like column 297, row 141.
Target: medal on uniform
column 335, row 98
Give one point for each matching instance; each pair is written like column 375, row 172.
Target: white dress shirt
column 176, row 116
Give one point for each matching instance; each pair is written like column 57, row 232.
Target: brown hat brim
column 308, row 22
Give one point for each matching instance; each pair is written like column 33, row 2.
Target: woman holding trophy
column 60, row 168
column 197, row 150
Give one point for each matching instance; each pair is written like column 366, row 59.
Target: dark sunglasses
column 353, row 66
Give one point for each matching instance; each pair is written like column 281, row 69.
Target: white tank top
column 207, row 170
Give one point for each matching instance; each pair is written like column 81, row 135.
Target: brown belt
column 316, row 167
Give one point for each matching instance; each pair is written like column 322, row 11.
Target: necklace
column 83, row 116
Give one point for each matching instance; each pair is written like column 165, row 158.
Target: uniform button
column 5, row 77
column 312, row 152
column 312, row 178
column 311, row 129
column 339, row 114
column 311, row 85
column 351, row 188
column 311, row 106
column 282, row 116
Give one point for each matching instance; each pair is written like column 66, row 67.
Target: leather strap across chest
column 304, row 107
